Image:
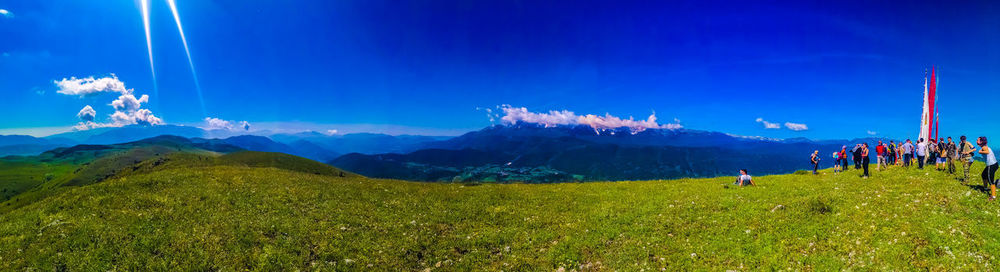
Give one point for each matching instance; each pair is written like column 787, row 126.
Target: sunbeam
column 197, row 86
column 149, row 45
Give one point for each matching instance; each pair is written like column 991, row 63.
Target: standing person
column 931, row 152
column 815, row 161
column 942, row 158
column 899, row 154
column 991, row 167
column 892, row 152
column 880, row 156
column 921, row 153
column 865, row 159
column 952, row 156
column 843, row 158
column 907, row 152
column 856, row 156
column 836, row 162
column 965, row 150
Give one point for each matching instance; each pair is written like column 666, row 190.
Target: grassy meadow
column 232, row 217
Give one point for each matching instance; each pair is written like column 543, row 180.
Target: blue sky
column 842, row 68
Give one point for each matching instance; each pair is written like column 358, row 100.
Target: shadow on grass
column 978, row 187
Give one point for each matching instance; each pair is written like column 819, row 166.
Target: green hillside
column 240, row 217
column 27, row 179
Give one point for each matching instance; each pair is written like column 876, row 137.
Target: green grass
column 23, row 174
column 227, row 217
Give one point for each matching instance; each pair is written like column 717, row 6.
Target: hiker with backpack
column 991, row 167
column 965, row 150
column 942, row 156
column 843, row 158
column 836, row 162
column 856, row 156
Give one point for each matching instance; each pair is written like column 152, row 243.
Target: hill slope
column 26, row 179
column 238, row 217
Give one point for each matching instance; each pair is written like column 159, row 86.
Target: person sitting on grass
column 991, row 167
column 744, row 179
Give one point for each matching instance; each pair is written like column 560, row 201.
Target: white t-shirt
column 922, row 149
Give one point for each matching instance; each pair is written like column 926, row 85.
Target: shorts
column 942, row 160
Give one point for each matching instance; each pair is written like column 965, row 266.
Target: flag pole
column 937, row 111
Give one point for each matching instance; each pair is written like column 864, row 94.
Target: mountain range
column 502, row 153
column 533, row 153
column 312, row 145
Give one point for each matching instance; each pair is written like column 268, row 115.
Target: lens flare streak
column 149, row 44
column 194, row 75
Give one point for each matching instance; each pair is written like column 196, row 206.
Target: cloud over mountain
column 87, row 113
column 788, row 125
column 796, row 126
column 768, row 125
column 128, row 108
column 216, row 123
column 513, row 115
column 212, row 123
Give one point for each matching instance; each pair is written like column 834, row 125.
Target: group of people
column 940, row 152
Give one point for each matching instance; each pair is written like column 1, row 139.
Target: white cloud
column 873, row 133
column 140, row 117
column 128, row 102
column 796, row 127
column 768, row 125
column 87, row 114
column 554, row 118
column 216, row 123
column 331, row 131
column 6, row 13
column 128, row 108
column 90, row 86
column 212, row 123
column 145, row 117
